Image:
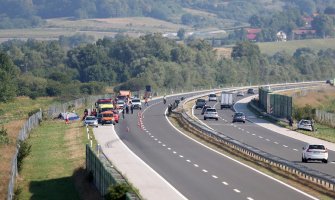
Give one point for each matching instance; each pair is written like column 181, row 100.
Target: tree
column 324, row 25
column 245, row 49
column 181, row 33
column 8, row 74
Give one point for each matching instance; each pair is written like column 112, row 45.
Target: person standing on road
column 146, row 101
column 131, row 108
column 123, row 113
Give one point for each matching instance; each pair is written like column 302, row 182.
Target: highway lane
column 194, row 170
column 264, row 139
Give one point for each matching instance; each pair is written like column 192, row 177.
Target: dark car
column 200, row 103
column 204, row 109
column 251, row 91
column 239, row 117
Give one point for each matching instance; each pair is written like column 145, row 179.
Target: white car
column 212, row 97
column 314, row 152
column 91, row 121
column 305, row 125
column 240, row 93
column 211, row 113
column 136, row 104
column 120, row 104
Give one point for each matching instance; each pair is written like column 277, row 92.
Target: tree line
column 51, row 68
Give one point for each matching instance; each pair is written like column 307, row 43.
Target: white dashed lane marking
column 276, row 142
column 249, row 198
column 195, row 165
column 295, row 149
column 181, row 156
column 163, row 145
column 225, row 183
column 260, row 137
column 169, row 148
column 285, row 146
column 253, row 134
column 237, row 191
column 174, row 152
column 214, row 176
column 188, row 161
column 268, row 140
column 204, row 170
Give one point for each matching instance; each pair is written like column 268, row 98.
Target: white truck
column 226, row 100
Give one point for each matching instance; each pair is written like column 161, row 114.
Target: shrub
column 306, row 112
column 4, row 136
column 118, row 191
column 24, row 151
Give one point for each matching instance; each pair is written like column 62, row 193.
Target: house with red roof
column 252, row 33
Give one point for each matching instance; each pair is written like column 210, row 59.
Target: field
column 12, row 117
column 271, row 48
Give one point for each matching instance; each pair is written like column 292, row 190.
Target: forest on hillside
column 54, row 68
column 31, row 13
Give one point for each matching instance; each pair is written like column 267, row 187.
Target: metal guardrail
column 321, row 179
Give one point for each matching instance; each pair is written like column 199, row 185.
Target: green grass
column 20, row 107
column 323, row 132
column 271, row 48
column 47, row 171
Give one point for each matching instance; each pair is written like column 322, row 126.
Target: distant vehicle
column 120, row 104
column 103, row 101
column 251, row 91
column 226, row 99
column 314, row 152
column 105, row 107
column 200, row 103
column 136, row 104
column 211, row 113
column 239, row 117
column 107, row 117
column 328, row 82
column 212, row 97
column 204, row 109
column 91, row 121
column 305, row 125
column 240, row 94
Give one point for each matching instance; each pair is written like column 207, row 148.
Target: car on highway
column 251, row 91
column 305, row 124
column 239, row 117
column 91, row 121
column 200, row 103
column 240, row 94
column 136, row 104
column 315, row 152
column 204, row 109
column 211, row 113
column 108, row 117
column 212, row 97
column 120, row 104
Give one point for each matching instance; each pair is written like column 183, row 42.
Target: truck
column 226, row 99
column 124, row 95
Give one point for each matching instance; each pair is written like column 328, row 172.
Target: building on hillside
column 298, row 34
column 308, row 21
column 281, row 36
column 252, row 33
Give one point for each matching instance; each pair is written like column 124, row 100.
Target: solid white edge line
column 251, row 168
column 173, row 188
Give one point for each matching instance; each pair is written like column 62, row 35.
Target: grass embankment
column 55, row 167
column 12, row 117
column 318, row 98
column 290, row 47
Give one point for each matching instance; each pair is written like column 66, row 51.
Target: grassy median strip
column 54, row 168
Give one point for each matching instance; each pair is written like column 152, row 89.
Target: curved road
column 194, row 170
column 262, row 138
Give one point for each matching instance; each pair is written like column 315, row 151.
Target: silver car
column 305, row 125
column 91, row 121
column 211, row 113
column 314, row 152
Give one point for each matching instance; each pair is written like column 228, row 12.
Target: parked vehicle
column 226, row 100
column 239, row 117
column 105, row 107
column 212, row 97
column 314, row 152
column 103, row 101
column 240, row 94
column 107, row 117
column 305, row 125
column 200, row 103
column 91, row 121
column 211, row 113
column 251, row 91
column 204, row 109
column 120, row 104
column 136, row 103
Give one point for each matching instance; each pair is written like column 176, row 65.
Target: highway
column 262, row 138
column 194, row 170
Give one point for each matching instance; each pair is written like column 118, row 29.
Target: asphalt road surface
column 196, row 171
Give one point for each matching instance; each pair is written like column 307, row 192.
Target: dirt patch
column 6, row 155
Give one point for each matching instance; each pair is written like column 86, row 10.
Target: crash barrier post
column 315, row 177
column 31, row 123
column 103, row 174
